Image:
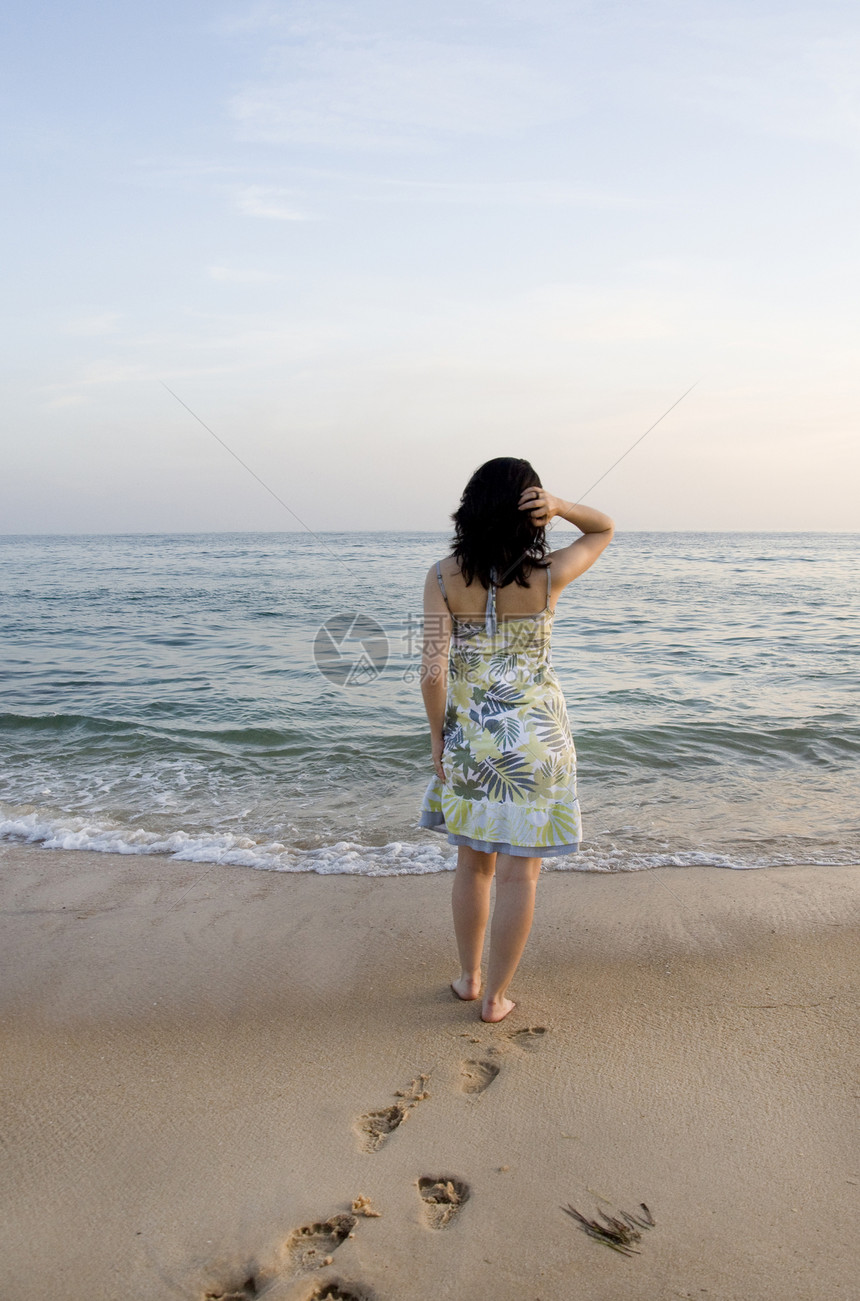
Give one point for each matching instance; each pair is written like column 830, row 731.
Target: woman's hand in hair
column 541, row 505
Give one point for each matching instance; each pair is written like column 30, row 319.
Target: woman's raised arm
column 597, row 531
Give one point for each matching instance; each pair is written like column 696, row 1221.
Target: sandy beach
column 199, row 1063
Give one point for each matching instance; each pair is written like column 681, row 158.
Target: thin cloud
column 241, row 275
column 376, row 93
column 791, row 75
column 65, row 400
column 525, row 193
column 93, row 325
column 106, row 371
column 188, row 171
column 269, row 201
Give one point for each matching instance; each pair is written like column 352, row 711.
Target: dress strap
column 441, row 584
column 491, row 622
column 548, row 585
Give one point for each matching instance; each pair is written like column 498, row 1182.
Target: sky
column 373, row 244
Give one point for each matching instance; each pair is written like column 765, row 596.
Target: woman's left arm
column 434, row 664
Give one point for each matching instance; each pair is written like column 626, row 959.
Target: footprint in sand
column 234, row 1291
column 444, row 1197
column 375, row 1127
column 309, row 1247
column 529, row 1038
column 312, row 1246
column 477, row 1074
column 338, row 1291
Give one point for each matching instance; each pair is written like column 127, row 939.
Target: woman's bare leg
column 516, row 880
column 470, row 900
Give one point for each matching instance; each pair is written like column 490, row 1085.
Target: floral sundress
column 508, row 754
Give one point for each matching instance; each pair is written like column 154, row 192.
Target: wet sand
column 199, row 1062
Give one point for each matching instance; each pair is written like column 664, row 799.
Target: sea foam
column 350, row 858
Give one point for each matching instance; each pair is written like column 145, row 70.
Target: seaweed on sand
column 618, row 1233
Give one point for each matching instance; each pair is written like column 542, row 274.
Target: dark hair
column 489, row 529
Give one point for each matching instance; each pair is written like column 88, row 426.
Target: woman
column 505, row 783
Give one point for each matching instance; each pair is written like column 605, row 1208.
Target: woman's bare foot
column 468, row 988
column 496, row 1009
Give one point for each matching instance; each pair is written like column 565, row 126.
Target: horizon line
column 200, row 533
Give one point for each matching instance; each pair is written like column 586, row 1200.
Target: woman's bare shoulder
column 447, row 567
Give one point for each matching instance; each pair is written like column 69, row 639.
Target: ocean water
column 163, row 694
